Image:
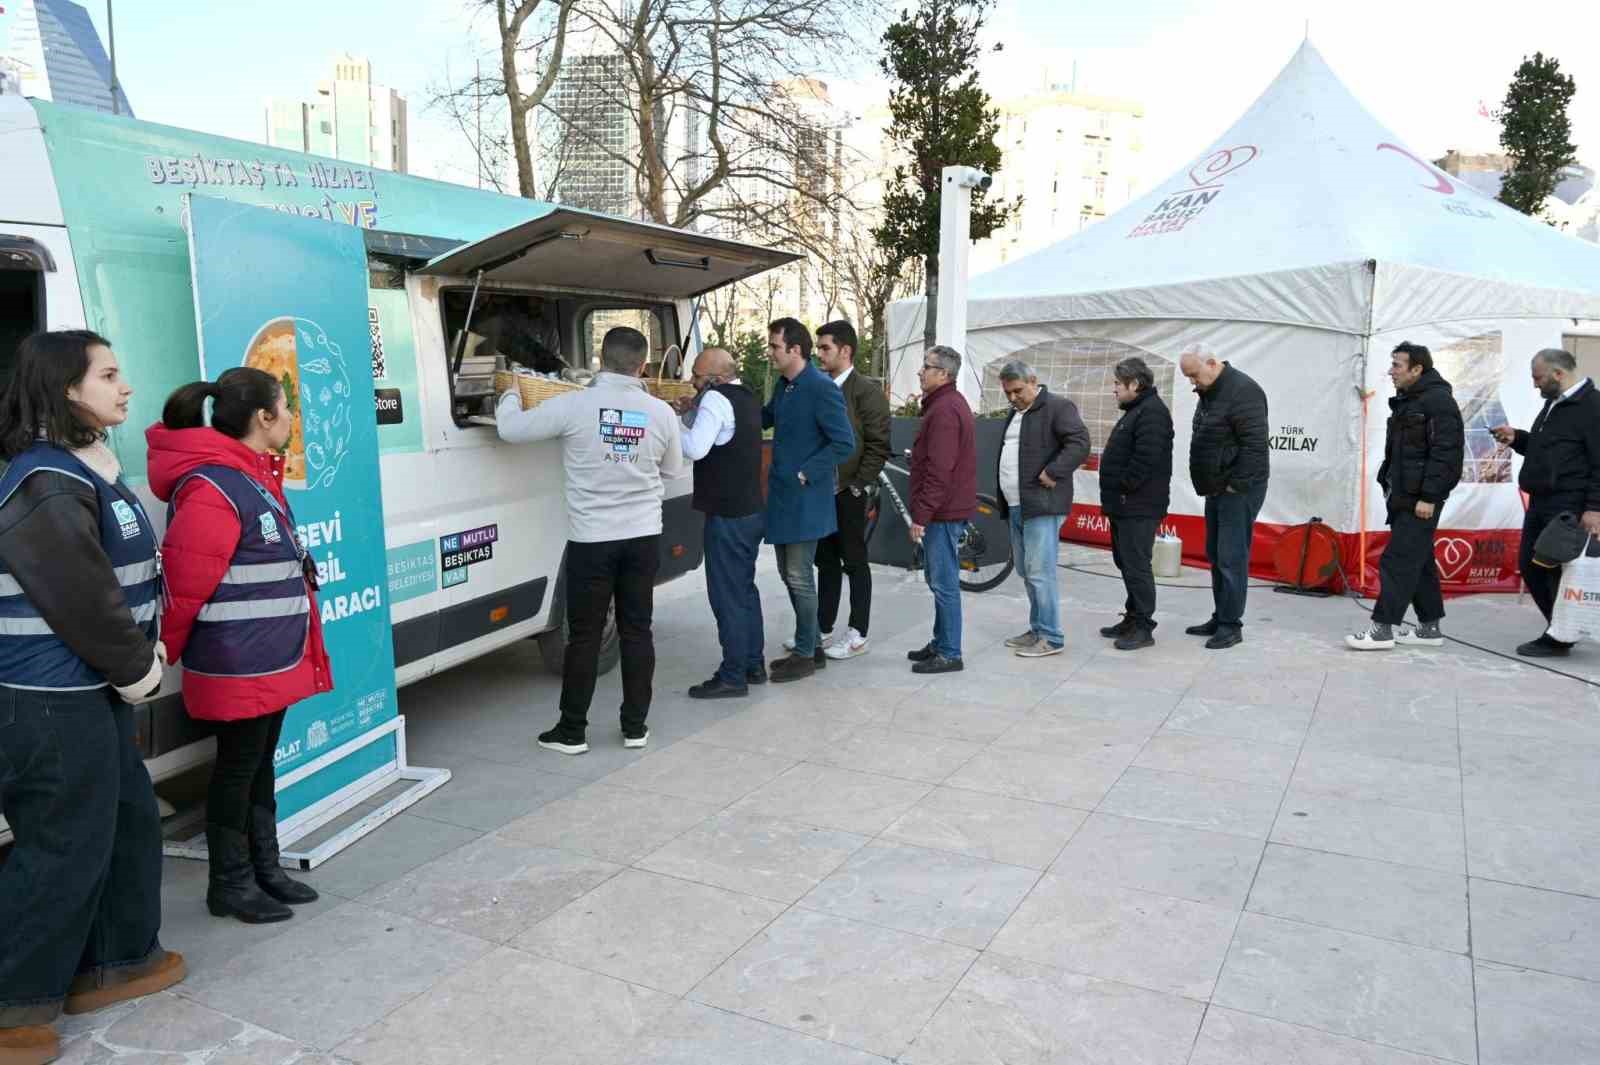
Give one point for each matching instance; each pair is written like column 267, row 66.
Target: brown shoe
column 86, row 996
column 32, row 1044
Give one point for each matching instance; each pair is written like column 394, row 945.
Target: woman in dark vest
column 241, row 617
column 80, row 894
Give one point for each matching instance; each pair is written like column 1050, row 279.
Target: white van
column 92, row 236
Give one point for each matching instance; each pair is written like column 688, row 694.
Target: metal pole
column 111, row 36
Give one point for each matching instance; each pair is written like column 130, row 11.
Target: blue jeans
column 1036, row 546
column 1230, row 526
column 943, row 572
column 731, row 548
column 797, row 565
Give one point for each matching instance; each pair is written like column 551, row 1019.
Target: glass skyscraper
column 57, row 55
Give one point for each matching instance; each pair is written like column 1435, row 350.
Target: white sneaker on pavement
column 824, row 641
column 1422, row 635
column 1375, row 637
column 851, row 645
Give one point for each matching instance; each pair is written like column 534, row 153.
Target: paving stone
column 1186, row 863
column 773, row 859
column 404, row 843
column 1082, row 698
column 1532, row 1018
column 267, row 1050
column 1220, row 758
column 891, row 753
column 701, row 773
column 1399, row 902
column 779, row 731
column 1001, row 829
column 1259, row 687
column 486, row 795
column 205, row 941
column 1363, row 777
column 1195, row 802
column 1406, row 997
column 523, row 1009
column 1428, row 744
column 1231, row 1038
column 861, row 985
column 1558, row 857
column 833, row 798
column 1094, row 739
column 1373, row 830
column 1039, row 776
column 1012, row 1011
column 172, row 1024
column 1536, row 929
column 1278, row 723
column 692, row 1034
column 937, row 714
column 1531, row 780
column 617, row 824
column 1136, row 937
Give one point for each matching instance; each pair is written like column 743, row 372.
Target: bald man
column 722, row 435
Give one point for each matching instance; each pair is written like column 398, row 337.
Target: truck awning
column 585, row 250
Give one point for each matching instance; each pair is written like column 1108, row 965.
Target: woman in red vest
column 241, row 616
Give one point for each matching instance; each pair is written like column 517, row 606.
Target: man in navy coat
column 811, row 436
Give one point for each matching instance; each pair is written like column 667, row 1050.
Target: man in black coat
column 1560, row 472
column 1135, row 490
column 1228, row 464
column 1422, row 455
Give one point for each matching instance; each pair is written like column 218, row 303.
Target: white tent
column 1302, row 246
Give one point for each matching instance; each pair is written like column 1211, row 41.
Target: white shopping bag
column 1577, row 612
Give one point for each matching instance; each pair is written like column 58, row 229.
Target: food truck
column 193, row 253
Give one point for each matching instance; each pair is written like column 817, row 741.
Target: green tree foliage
column 1536, row 133
column 939, row 116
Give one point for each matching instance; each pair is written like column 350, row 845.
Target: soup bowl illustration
column 298, row 353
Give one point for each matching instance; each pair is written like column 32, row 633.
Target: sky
column 1421, row 68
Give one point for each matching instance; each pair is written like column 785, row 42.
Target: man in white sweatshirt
column 618, row 443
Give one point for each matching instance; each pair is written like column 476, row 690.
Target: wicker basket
column 533, row 390
column 668, row 388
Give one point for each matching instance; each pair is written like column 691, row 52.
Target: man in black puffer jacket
column 1229, row 466
column 1135, row 490
column 1422, row 455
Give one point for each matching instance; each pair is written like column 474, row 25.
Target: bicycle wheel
column 984, row 554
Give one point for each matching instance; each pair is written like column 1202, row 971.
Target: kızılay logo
column 1180, row 208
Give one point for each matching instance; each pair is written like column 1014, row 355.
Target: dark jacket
column 811, row 435
column 944, row 459
column 868, row 408
column 1561, row 454
column 1136, row 463
column 1229, row 446
column 1053, row 440
column 1422, row 450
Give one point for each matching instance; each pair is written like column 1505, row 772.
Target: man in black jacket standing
column 1422, row 454
column 1045, row 441
column 1228, row 464
column 1135, row 490
column 1560, row 472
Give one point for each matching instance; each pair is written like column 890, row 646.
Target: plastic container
column 1167, row 559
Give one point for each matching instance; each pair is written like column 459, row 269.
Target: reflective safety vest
column 31, row 655
column 258, row 621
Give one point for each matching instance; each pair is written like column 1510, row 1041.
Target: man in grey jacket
column 1045, row 441
column 618, row 444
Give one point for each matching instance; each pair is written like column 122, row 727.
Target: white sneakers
column 824, row 641
column 1380, row 637
column 1374, row 637
column 851, row 645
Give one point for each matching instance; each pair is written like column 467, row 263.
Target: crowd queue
column 93, row 610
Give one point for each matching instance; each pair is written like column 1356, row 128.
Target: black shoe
column 233, row 891
column 756, row 676
column 819, row 659
column 1121, row 628
column 922, row 654
column 635, row 737
column 795, row 667
column 717, row 688
column 1225, row 638
column 565, row 742
column 1544, row 647
column 1135, row 640
column 938, row 664
column 1205, row 628
column 270, row 876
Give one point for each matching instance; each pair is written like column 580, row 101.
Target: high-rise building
column 350, row 118
column 586, row 142
column 54, row 53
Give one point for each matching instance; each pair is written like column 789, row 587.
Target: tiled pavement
column 1278, row 854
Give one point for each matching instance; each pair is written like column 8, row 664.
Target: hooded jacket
column 1422, row 451
column 200, row 543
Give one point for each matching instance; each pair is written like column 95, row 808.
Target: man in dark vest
column 722, row 436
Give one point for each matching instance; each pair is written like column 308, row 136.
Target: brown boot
column 118, row 985
column 32, row 1044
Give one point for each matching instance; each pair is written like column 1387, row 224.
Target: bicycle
column 983, row 554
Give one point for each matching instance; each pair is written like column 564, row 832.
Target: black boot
column 270, row 876
column 233, row 891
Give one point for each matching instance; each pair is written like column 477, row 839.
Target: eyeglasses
column 931, row 366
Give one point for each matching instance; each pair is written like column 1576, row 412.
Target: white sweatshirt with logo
column 618, row 442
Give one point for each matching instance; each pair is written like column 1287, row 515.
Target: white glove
column 147, row 687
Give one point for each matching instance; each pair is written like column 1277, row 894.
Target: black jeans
column 243, row 776
column 1544, row 583
column 1230, row 528
column 81, row 890
column 1133, row 543
column 845, row 553
column 1407, row 573
column 600, row 574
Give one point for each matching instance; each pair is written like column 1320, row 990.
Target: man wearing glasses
column 944, row 497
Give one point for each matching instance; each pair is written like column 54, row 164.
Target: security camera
column 968, row 177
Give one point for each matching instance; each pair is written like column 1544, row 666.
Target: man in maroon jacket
column 944, row 497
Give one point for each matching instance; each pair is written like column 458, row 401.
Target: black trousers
column 1133, row 543
column 242, row 776
column 620, row 572
column 81, row 889
column 845, row 553
column 1407, row 573
column 1543, row 582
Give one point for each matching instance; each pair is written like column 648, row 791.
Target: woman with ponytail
column 241, row 617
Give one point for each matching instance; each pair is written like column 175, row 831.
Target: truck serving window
column 23, row 264
column 657, row 323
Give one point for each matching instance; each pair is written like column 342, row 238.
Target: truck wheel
column 553, row 645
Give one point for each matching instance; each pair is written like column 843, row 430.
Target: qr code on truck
column 379, row 370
